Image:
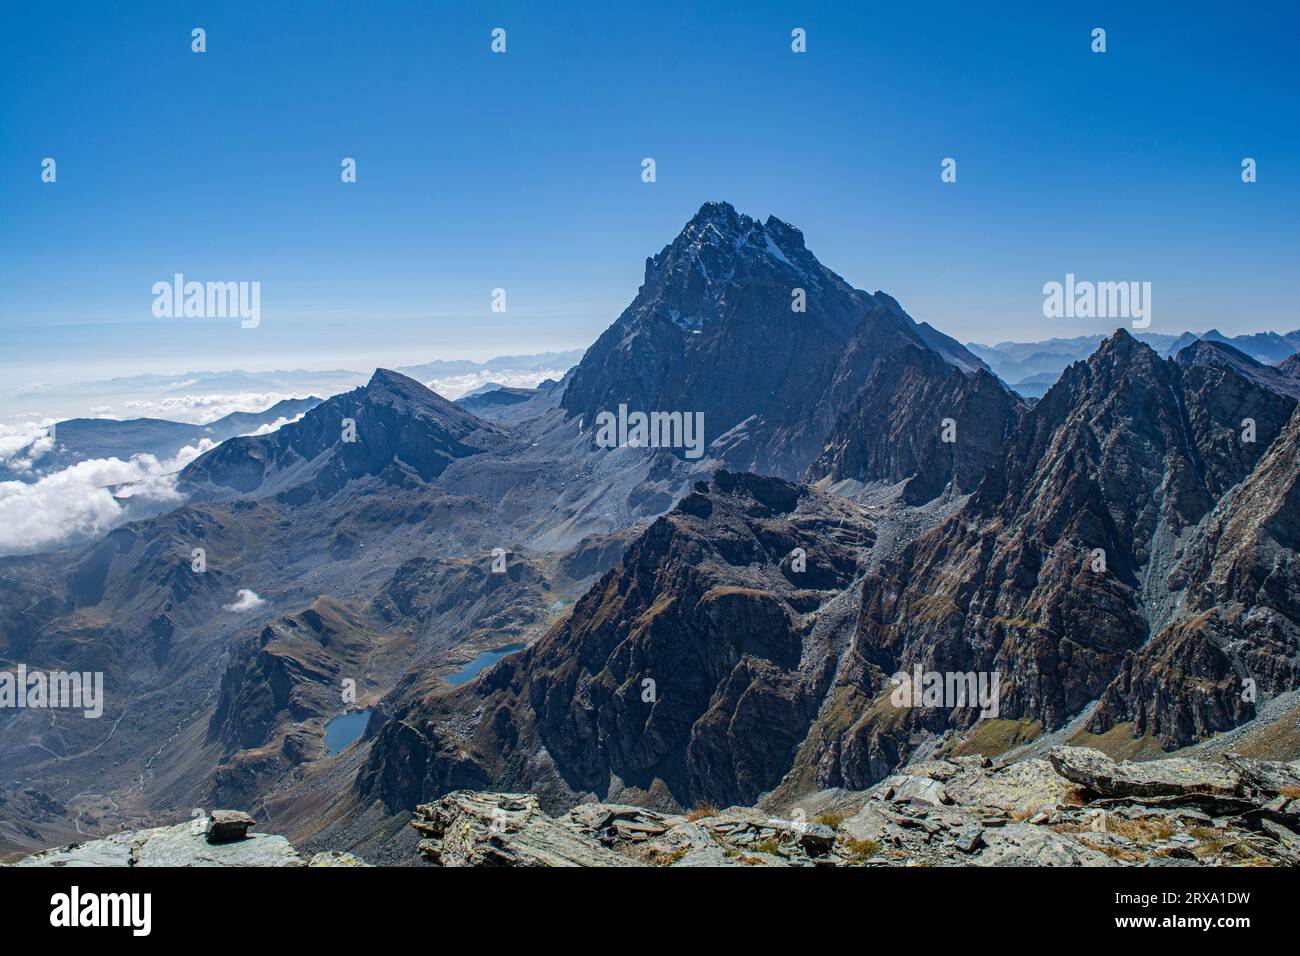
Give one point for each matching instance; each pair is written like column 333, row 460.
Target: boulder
column 1171, row 777
column 226, row 826
column 816, row 838
column 1265, row 777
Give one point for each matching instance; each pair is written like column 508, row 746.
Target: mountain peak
column 1122, row 346
column 787, row 237
column 387, row 378
column 739, row 321
column 717, row 211
column 1203, row 350
column 393, row 388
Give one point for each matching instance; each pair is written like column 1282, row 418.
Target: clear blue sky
column 523, row 171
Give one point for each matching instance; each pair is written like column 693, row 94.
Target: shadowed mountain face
column 1117, row 464
column 893, row 428
column 690, row 671
column 716, row 328
column 1277, row 378
column 1238, row 616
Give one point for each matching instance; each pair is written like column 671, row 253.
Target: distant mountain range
column 80, row 439
column 871, row 500
column 194, row 396
column 1031, row 367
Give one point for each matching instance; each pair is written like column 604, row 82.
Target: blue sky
column 522, row 170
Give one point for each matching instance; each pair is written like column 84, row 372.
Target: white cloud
column 454, row 386
column 21, row 445
column 274, row 426
column 202, row 409
column 245, row 600
column 85, row 499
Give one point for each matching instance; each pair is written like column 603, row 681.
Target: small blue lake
column 343, row 729
column 483, row 661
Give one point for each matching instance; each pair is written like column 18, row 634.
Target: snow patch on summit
column 775, row 252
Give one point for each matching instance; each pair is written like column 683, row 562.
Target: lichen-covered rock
column 502, row 829
column 1022, row 844
column 942, row 812
column 336, row 858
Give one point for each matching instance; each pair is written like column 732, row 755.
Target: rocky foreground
column 1076, row 808
column 221, row 839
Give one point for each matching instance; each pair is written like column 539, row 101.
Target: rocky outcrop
column 1078, row 809
column 501, row 829
column 226, row 826
column 1176, row 777
column 1052, row 574
column 220, row 840
column 917, row 419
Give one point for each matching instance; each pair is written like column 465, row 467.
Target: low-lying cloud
column 274, row 426
column 22, row 445
column 202, row 409
column 86, row 499
column 453, row 387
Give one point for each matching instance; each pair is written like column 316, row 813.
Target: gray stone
column 1171, row 777
column 503, row 829
column 226, row 826
column 817, row 838
column 1019, row 844
column 179, row 845
column 968, row 839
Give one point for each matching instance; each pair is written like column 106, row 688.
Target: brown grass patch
column 702, row 810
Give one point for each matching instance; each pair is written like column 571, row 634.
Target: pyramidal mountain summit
column 888, row 590
column 739, row 320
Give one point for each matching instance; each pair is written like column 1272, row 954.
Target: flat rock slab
column 1173, row 776
column 179, row 845
column 922, row 789
column 1265, row 776
column 1023, row 844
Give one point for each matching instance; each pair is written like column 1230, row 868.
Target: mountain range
column 80, row 439
column 1032, row 367
column 871, row 499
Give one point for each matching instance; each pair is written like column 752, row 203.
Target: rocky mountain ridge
column 1076, row 808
